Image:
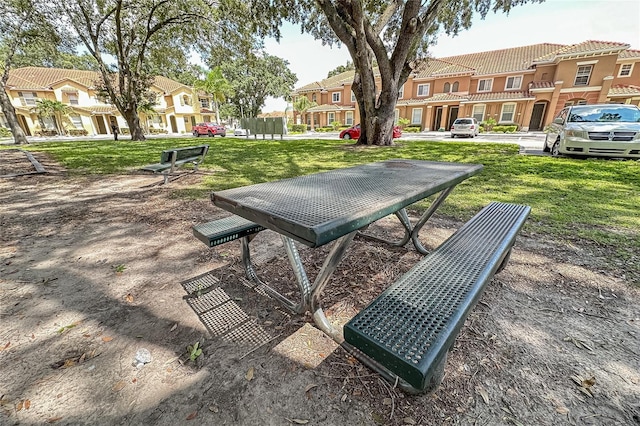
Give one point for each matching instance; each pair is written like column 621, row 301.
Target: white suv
column 465, row 127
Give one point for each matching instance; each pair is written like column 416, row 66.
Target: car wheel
column 453, row 136
column 346, row 136
column 210, row 134
column 555, row 149
column 196, row 134
column 545, row 147
column 472, row 135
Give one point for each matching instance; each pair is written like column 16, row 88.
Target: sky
column 554, row 21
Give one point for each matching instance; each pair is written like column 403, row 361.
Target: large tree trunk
column 12, row 118
column 131, row 115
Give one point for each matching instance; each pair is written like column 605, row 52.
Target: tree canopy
column 392, row 33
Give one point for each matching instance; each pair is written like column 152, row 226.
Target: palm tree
column 302, row 105
column 57, row 110
column 217, row 86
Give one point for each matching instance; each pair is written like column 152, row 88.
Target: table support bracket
column 411, row 232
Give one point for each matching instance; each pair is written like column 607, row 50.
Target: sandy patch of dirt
column 94, row 269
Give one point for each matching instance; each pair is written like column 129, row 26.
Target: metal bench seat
column 224, row 230
column 410, row 327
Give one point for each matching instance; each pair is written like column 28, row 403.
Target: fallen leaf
column 107, row 338
column 5, row 346
column 309, row 387
column 562, row 410
column 134, row 380
column 19, row 405
column 298, row 421
column 174, row 327
column 129, row 298
column 587, row 383
column 53, row 419
column 192, row 415
column 344, row 398
column 408, row 421
column 119, row 386
column 27, row 404
column 249, row 375
column 483, row 393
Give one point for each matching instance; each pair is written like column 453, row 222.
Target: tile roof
column 330, row 107
column 500, row 96
column 629, row 53
column 589, row 46
column 97, row 109
column 169, row 86
column 623, row 90
column 541, row 85
column 504, row 60
column 40, row 78
column 432, row 67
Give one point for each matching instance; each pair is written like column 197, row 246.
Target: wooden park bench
column 406, row 332
column 173, row 158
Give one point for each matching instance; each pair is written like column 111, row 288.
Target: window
column 447, row 88
column 625, row 70
column 508, row 112
column 485, row 85
column 353, row 97
column 455, row 86
column 478, row 112
column 335, row 97
column 28, row 98
column 583, row 74
column 204, row 103
column 314, row 98
column 416, row 116
column 423, row 89
column 76, row 121
column 401, row 92
column 331, row 117
column 348, row 118
column 73, row 99
column 185, row 100
column 513, row 83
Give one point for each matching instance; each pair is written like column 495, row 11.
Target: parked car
column 209, row 129
column 241, row 132
column 602, row 130
column 354, row 132
column 465, row 127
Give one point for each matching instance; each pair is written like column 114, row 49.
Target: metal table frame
column 339, row 231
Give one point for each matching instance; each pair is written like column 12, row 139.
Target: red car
column 354, row 132
column 209, row 129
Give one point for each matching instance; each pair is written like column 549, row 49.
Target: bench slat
column 224, row 230
column 409, row 327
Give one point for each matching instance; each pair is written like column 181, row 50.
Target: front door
column 23, row 123
column 536, row 116
column 173, row 124
column 453, row 114
column 102, row 130
column 437, row 119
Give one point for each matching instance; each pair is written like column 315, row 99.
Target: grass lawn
column 591, row 201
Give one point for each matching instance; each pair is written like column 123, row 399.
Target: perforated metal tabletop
column 319, row 208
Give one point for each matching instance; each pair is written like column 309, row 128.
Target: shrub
column 46, row 132
column 505, row 129
column 324, row 129
column 335, row 125
column 403, row 122
column 298, row 128
column 124, row 131
column 5, row 133
column 155, row 131
column 412, row 129
column 77, row 132
column 488, row 124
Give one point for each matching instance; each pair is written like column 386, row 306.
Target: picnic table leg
column 330, row 263
column 425, row 217
column 410, row 231
column 259, row 285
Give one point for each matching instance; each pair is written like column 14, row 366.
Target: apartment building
column 177, row 108
column 525, row 85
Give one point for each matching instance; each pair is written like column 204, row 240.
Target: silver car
column 601, row 130
column 465, row 127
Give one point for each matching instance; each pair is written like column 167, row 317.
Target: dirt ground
column 93, row 269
